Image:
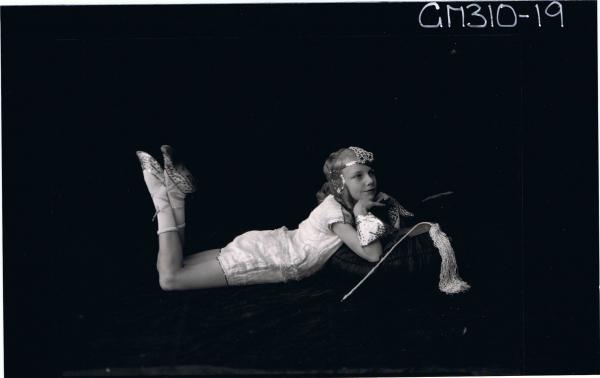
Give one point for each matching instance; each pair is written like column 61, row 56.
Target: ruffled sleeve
column 333, row 212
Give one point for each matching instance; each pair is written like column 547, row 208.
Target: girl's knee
column 167, row 282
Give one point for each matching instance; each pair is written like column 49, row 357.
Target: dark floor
column 299, row 326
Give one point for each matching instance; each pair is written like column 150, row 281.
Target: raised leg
column 173, row 275
column 179, row 182
column 177, row 201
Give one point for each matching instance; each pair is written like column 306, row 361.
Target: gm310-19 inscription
column 489, row 16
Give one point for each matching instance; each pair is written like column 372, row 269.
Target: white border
column 246, row 2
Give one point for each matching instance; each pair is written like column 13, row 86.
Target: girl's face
column 360, row 181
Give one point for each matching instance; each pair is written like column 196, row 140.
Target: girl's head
column 350, row 176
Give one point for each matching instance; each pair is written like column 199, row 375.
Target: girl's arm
column 349, row 236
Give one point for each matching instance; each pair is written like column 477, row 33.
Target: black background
column 255, row 97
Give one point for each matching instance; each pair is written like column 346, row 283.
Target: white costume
column 281, row 255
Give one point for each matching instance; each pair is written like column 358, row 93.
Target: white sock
column 177, row 200
column 160, row 199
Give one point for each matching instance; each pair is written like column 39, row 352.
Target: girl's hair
column 324, row 192
column 332, row 169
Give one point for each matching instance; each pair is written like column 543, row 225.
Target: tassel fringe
column 450, row 281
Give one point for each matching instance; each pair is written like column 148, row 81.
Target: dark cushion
column 413, row 254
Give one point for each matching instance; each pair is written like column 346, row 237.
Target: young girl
column 343, row 216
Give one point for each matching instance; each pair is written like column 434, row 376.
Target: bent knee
column 167, row 282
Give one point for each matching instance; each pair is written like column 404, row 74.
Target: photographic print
column 347, row 189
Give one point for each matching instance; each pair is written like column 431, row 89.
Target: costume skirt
column 257, row 257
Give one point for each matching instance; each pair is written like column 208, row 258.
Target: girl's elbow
column 373, row 257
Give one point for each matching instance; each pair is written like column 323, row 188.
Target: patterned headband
column 363, row 156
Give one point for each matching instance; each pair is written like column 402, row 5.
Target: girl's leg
column 174, row 275
column 177, row 200
column 179, row 182
column 200, row 257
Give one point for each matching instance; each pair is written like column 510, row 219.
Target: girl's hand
column 383, row 197
column 363, row 206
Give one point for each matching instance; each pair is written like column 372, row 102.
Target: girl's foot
column 177, row 172
column 179, row 182
column 154, row 178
